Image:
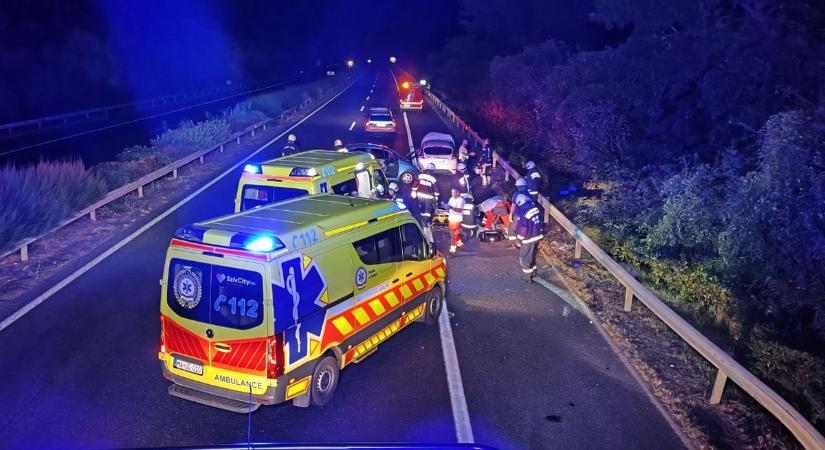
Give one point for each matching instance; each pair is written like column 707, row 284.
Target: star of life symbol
column 297, row 303
column 187, row 288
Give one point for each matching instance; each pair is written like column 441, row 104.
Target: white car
column 437, row 149
column 380, row 120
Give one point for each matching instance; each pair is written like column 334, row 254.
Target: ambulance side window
column 323, row 187
column 415, row 247
column 345, row 187
column 380, row 248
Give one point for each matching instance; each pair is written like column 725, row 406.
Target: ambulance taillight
column 275, row 356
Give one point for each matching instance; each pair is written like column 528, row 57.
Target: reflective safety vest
column 533, row 182
column 425, row 187
column 529, row 228
column 469, row 219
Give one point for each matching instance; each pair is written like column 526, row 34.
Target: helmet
column 342, row 150
column 379, row 188
column 521, row 199
column 393, row 186
column 486, row 141
column 465, row 142
column 337, row 143
column 461, row 167
column 430, row 166
column 521, row 182
column 530, row 165
column 292, row 138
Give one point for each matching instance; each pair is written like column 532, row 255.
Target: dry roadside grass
column 57, row 250
column 678, row 376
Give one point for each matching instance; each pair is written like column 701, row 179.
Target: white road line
column 458, row 402
column 352, row 125
column 91, row 264
column 362, row 108
column 409, row 134
column 396, row 81
column 461, row 417
column 368, row 97
column 371, row 90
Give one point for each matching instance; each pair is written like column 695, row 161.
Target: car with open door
column 396, row 168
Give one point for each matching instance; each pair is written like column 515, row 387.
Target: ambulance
column 268, row 305
column 306, row 173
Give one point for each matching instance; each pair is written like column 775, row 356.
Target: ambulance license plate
column 187, row 365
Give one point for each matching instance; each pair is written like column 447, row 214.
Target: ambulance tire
column 433, row 306
column 324, row 381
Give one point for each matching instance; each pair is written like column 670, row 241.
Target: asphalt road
column 81, row 370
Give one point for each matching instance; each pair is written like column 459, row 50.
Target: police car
column 267, row 305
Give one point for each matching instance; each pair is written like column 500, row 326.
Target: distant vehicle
column 268, row 305
column 306, row 173
column 437, row 149
column 379, row 120
column 412, row 97
column 396, row 168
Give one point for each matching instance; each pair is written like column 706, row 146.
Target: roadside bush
column 195, row 136
column 42, row 196
column 242, row 115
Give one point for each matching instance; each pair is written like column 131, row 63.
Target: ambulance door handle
column 396, row 280
column 409, row 274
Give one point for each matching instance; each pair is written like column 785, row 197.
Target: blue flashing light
column 400, row 203
column 572, row 189
column 564, row 193
column 252, row 168
column 262, row 244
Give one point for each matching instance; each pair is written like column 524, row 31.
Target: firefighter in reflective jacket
column 425, row 190
column 462, row 182
column 529, row 229
column 291, row 146
column 533, row 180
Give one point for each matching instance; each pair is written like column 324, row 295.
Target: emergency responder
column 455, row 219
column 404, row 201
column 469, row 224
column 462, row 181
column 495, row 210
column 463, row 152
column 338, row 145
column 425, row 192
column 485, row 162
column 521, row 190
column 529, row 231
column 291, row 146
column 533, row 181
column 377, row 193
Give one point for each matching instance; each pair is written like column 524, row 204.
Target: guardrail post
column 140, row 191
column 238, row 140
column 24, row 252
column 93, row 215
column 220, row 149
column 577, row 253
column 263, row 126
column 175, row 174
column 718, row 387
column 201, row 158
column 628, row 298
column 253, row 132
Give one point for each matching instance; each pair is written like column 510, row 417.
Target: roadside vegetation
column 694, row 134
column 37, row 198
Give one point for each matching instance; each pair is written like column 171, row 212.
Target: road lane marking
column 368, row 97
column 371, row 90
column 362, row 108
column 458, row 401
column 409, row 134
column 396, row 82
column 352, row 125
column 461, row 416
column 91, row 264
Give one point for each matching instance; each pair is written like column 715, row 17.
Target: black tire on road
column 324, row 381
column 433, row 305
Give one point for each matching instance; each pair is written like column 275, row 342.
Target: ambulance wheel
column 433, row 306
column 324, row 381
column 406, row 177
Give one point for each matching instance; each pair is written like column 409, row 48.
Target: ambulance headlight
column 303, row 172
column 261, row 244
column 359, row 166
column 252, row 168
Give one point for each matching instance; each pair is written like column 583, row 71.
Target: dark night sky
column 147, row 48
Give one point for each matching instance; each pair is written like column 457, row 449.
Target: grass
column 43, row 195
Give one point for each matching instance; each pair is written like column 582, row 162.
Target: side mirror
column 431, row 250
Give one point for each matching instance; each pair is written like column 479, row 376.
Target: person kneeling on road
column 455, row 218
column 495, row 210
column 529, row 231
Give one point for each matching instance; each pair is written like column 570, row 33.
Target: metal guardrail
column 727, row 367
column 61, row 119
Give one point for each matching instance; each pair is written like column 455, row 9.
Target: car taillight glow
column 162, row 339
column 275, row 356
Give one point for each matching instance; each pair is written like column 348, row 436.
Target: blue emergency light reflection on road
column 252, row 168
